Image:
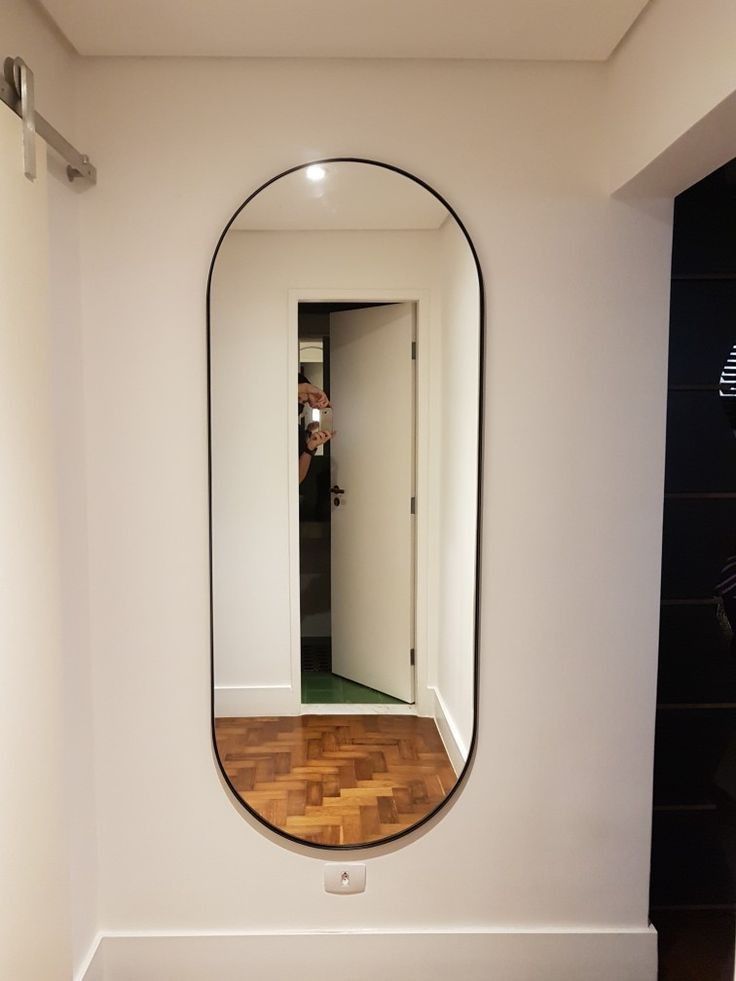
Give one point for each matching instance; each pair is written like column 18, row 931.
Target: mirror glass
column 345, row 344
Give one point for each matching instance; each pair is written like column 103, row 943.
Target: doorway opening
column 356, row 505
column 693, row 875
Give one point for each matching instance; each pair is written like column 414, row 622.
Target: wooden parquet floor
column 337, row 779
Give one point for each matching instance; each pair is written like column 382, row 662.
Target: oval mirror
column 345, row 307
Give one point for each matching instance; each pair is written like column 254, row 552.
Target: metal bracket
column 87, row 171
column 23, row 81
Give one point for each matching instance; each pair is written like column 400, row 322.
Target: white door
column 372, row 391
column 33, row 846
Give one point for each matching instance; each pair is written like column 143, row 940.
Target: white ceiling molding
column 558, row 30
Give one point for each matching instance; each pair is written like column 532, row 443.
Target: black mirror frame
column 478, row 541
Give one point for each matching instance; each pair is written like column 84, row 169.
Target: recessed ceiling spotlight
column 316, row 173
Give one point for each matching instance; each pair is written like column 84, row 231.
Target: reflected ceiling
column 349, row 196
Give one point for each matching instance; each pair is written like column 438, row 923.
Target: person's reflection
column 313, row 437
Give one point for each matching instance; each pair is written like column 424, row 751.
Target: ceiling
column 560, row 30
column 351, row 196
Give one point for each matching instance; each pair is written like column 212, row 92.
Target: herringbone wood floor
column 337, row 779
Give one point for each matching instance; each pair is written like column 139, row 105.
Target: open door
column 33, row 845
column 372, row 390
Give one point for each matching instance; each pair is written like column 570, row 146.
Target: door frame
column 424, row 424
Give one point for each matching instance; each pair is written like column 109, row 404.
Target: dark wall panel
column 701, row 448
column 697, row 307
column 693, row 859
column 695, row 659
column 694, row 828
column 698, row 537
column 705, row 216
column 695, row 754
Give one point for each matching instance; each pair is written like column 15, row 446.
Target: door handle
column 336, row 490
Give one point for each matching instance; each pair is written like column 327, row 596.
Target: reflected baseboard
column 356, row 708
column 246, row 701
column 91, row 967
column 448, row 730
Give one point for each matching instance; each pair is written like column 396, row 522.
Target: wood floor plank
column 337, row 779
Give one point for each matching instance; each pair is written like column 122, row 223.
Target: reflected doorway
column 357, row 499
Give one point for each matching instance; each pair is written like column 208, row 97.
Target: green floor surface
column 321, row 686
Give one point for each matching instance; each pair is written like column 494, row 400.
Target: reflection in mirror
column 345, row 358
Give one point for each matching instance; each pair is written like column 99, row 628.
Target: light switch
column 344, row 880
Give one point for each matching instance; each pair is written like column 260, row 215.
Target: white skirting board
column 92, row 966
column 456, row 748
column 472, row 956
column 357, row 708
column 248, row 701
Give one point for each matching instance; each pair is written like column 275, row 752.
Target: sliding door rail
column 78, row 164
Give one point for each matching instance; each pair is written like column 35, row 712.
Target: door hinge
column 413, row 350
column 413, row 506
column 412, row 657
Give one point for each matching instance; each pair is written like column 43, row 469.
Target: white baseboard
column 92, row 968
column 449, row 733
column 470, row 956
column 252, row 700
column 357, row 708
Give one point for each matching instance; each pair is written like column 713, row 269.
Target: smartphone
column 326, row 419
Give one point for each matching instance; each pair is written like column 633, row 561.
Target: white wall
column 26, row 32
column 68, row 410
column 552, row 828
column 456, row 446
